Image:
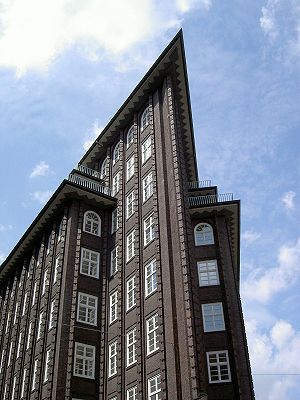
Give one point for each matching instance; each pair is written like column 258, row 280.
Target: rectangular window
column 28, row 336
column 130, row 246
column 34, row 294
column 218, row 366
column 23, row 383
column 50, row 326
column 113, row 307
column 114, row 220
column 213, row 318
column 34, row 375
column 84, row 361
column 45, row 282
column 149, row 233
column 49, row 244
column 40, row 326
column 147, row 187
column 131, row 393
column 150, row 278
column 208, row 273
column 24, row 305
column 114, row 261
column 13, row 389
column 129, row 168
column 47, row 362
column 56, row 268
column 130, row 290
column 112, row 359
column 2, row 358
column 87, row 309
column 154, row 389
column 19, row 344
column 7, row 323
column 116, row 183
column 16, row 313
column 9, row 354
column 131, row 347
column 89, row 264
column 152, row 334
column 146, row 150
column 129, row 205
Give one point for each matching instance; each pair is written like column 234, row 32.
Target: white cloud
column 288, row 200
column 42, row 196
column 35, row 33
column 5, row 228
column 41, row 169
column 92, row 134
column 268, row 21
column 2, row 257
column 263, row 283
column 248, row 237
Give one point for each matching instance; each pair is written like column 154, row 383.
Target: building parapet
column 199, row 184
column 96, row 187
column 210, row 199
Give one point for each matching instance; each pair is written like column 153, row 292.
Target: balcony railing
column 199, row 184
column 96, row 187
column 210, row 199
column 88, row 171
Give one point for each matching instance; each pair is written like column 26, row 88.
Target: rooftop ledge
column 209, row 199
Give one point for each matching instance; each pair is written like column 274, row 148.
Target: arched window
column 203, row 234
column 104, row 167
column 116, row 153
column 130, row 136
column 92, row 223
column 145, row 118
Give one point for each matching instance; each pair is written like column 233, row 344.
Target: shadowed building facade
column 126, row 285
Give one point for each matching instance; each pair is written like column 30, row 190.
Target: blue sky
column 66, row 67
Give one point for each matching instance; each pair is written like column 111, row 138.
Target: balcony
column 199, row 201
column 88, row 171
column 88, row 184
column 199, row 184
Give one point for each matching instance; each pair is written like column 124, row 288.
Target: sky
column 67, row 66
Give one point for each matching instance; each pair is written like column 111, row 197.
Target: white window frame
column 114, row 260
column 89, row 311
column 116, row 183
column 19, row 345
column 131, row 347
column 39, row 331
column 51, row 314
column 129, row 168
column 145, row 118
column 49, row 240
column 130, row 293
column 130, row 136
column 114, row 220
column 116, row 153
column 13, row 388
column 93, row 265
column 16, row 313
column 92, row 223
column 29, row 336
column 130, row 198
column 45, row 281
column 218, row 366
column 23, row 383
column 47, row 362
column 104, row 167
column 150, row 278
column 148, row 186
column 34, row 294
column 113, row 307
column 213, row 317
column 152, row 337
column 34, row 375
column 146, row 149
column 208, row 273
column 56, row 268
column 88, row 362
column 154, row 394
column 130, row 245
column 24, row 304
column 206, row 237
column 149, row 229
column 9, row 354
column 112, row 359
column 131, row 393
column 59, row 233
column 7, row 322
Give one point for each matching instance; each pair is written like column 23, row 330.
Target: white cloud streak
column 2, row 257
column 41, row 196
column 35, row 33
column 92, row 134
column 288, row 200
column 268, row 21
column 5, row 228
column 41, row 169
column 249, row 237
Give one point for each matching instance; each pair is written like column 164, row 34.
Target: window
column 87, row 309
column 116, row 183
column 114, row 261
column 23, row 383
column 45, row 282
column 218, row 366
column 59, row 232
column 147, row 187
column 208, row 273
column 112, row 359
column 130, row 290
column 47, row 362
column 56, row 269
column 24, row 305
column 116, row 153
column 51, row 315
column 28, row 336
column 213, row 318
column 145, row 119
column 19, row 344
column 203, row 234
column 9, row 354
column 34, row 293
column 129, row 168
column 146, row 149
column 92, row 223
column 130, row 245
column 7, row 322
column 150, row 278
column 104, row 168
column 131, row 393
column 152, row 335
column 154, row 389
column 89, row 263
column 114, row 220
column 130, row 136
column 34, row 375
column 49, row 243
column 13, row 389
column 84, row 360
column 16, row 313
column 2, row 358
column 40, row 326
column 149, row 234
column 131, row 347
column 129, row 205
column 113, row 307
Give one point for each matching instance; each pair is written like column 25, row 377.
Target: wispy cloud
column 92, row 134
column 5, row 228
column 248, row 237
column 41, row 196
column 41, row 169
column 288, row 200
column 2, row 257
column 268, row 21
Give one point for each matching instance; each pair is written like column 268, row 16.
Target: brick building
column 126, row 285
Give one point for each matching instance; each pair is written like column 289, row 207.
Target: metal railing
column 96, row 187
column 199, row 184
column 210, row 199
column 88, row 171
